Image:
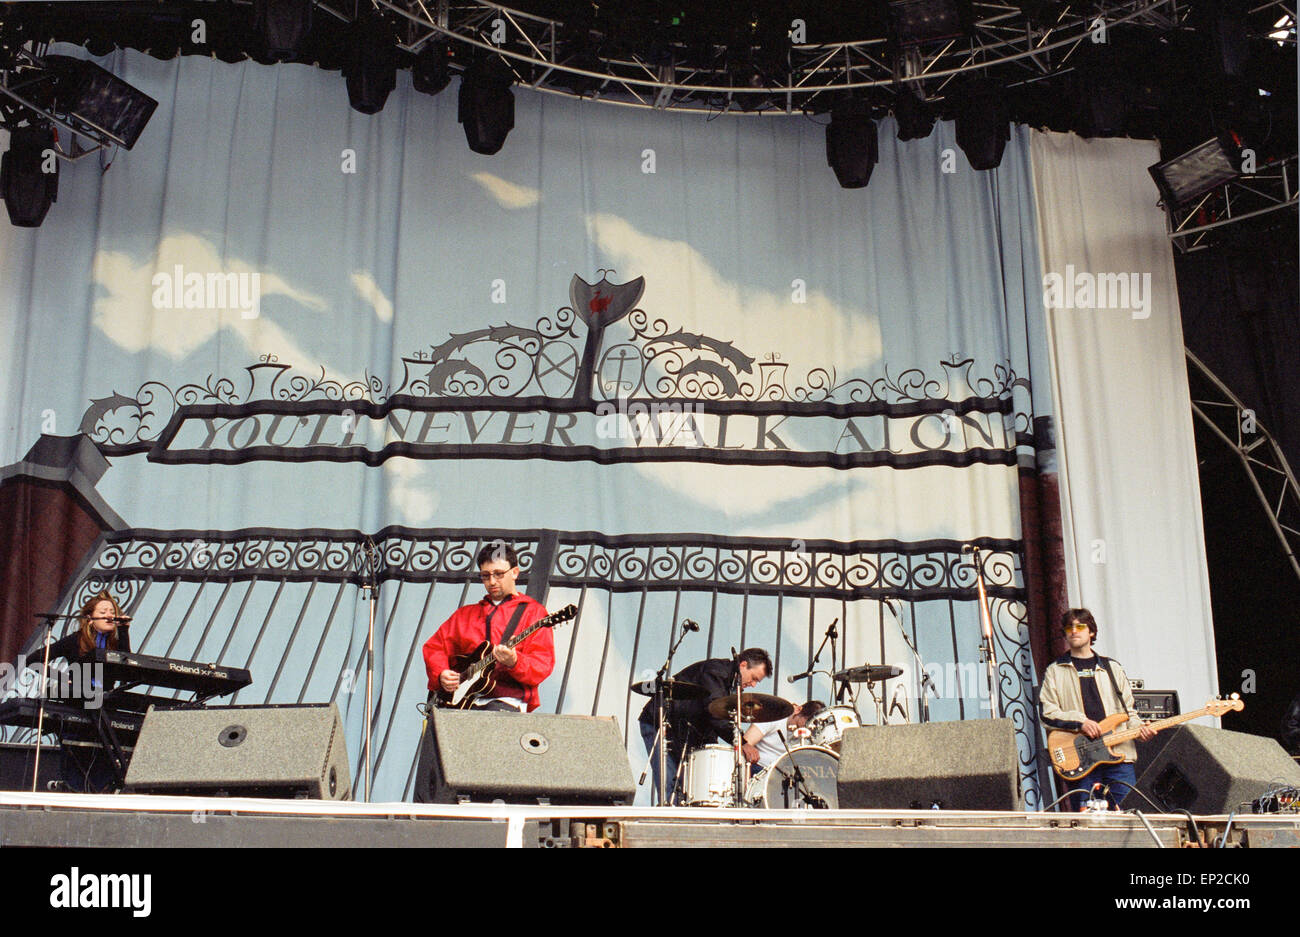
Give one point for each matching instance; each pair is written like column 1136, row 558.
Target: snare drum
column 710, row 773
column 777, row 788
column 829, row 725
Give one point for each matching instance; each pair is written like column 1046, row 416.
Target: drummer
column 762, row 743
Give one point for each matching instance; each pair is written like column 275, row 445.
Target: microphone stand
column 372, row 588
column 926, row 683
column 988, row 652
column 40, row 692
column 661, row 714
column 800, row 784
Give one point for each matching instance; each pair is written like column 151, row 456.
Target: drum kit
column 804, row 776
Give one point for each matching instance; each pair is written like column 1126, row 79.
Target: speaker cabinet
column 243, row 751
column 1207, row 770
column 17, row 762
column 970, row 765
column 523, row 758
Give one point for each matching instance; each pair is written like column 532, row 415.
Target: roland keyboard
column 128, row 669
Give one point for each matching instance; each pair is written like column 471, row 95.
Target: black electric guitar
column 476, row 667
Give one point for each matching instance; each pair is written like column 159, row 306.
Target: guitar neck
column 1160, row 724
column 490, row 661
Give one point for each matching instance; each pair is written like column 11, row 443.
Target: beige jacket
column 1061, row 700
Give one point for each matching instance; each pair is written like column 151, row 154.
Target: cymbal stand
column 988, row 650
column 737, row 744
column 370, row 588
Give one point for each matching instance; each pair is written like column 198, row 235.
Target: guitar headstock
column 1229, row 704
column 563, row 615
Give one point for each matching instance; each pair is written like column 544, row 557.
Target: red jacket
column 463, row 632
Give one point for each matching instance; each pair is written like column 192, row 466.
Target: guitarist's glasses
column 501, row 574
column 1075, row 626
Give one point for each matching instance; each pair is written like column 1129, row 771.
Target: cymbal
column 754, row 707
column 869, row 673
column 673, row 689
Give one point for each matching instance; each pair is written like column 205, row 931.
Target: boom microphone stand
column 661, row 715
column 927, row 684
column 50, row 619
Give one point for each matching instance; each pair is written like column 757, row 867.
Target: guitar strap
column 510, row 627
column 1113, row 682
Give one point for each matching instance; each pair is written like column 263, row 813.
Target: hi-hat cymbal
column 673, row 689
column 754, row 707
column 869, row 673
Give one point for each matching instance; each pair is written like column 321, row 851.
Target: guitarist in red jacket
column 500, row 614
column 1082, row 688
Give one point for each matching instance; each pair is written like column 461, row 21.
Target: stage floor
column 134, row 820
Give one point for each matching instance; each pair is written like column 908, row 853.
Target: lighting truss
column 1195, row 225
column 1270, row 475
column 1004, row 41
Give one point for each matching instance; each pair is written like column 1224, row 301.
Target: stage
column 127, row 820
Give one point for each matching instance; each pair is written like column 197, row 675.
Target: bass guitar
column 477, row 667
column 1074, row 755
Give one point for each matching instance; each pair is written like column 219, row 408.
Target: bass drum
column 776, row 787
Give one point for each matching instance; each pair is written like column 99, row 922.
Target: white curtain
column 1134, row 542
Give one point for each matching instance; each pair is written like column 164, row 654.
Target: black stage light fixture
column 1197, row 171
column 371, row 70
column 851, row 145
column 99, row 99
column 915, row 118
column 28, row 191
column 431, row 70
column 1100, row 95
column 487, row 105
column 283, row 25
column 916, row 21
column 983, row 124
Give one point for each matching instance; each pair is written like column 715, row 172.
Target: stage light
column 851, row 146
column 99, row 99
column 915, row 118
column 486, row 106
column 28, row 191
column 1197, row 171
column 983, row 124
column 283, row 25
column 430, row 73
column 914, row 21
column 371, row 72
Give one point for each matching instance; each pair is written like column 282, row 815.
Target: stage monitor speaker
column 523, row 758
column 1206, row 770
column 972, row 765
column 243, row 751
column 17, row 762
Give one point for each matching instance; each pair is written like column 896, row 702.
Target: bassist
column 1082, row 688
column 499, row 615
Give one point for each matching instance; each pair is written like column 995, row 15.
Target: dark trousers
column 672, row 760
column 1120, row 779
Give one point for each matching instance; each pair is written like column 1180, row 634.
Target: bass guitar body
column 1074, row 755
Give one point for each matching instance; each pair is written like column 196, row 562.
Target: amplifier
column 1156, row 704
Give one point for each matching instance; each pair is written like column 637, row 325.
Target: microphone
column 122, row 619
column 798, row 676
column 688, row 625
